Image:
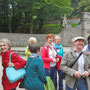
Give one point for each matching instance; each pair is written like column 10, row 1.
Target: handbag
column 64, row 74
column 13, row 74
column 21, row 85
column 49, row 85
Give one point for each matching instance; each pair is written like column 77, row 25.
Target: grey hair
column 57, row 37
column 33, row 39
column 4, row 40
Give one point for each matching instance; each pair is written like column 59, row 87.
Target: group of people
column 49, row 60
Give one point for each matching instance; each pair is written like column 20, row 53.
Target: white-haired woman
column 16, row 62
column 32, row 40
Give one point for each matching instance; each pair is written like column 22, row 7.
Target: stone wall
column 18, row 40
column 68, row 33
column 86, row 24
column 21, row 40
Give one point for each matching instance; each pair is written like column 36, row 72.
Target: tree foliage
column 84, row 5
column 29, row 16
column 79, row 7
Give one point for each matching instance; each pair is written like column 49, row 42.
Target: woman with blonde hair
column 32, row 40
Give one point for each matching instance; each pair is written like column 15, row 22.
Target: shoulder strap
column 75, row 60
column 30, row 61
column 10, row 57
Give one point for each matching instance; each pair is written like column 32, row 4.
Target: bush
column 74, row 24
column 52, row 28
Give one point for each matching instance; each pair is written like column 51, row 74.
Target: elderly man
column 77, row 77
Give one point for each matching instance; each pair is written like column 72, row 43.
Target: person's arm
column 27, row 52
column 40, row 70
column 17, row 61
column 65, row 62
column 60, row 58
column 87, row 71
column 43, row 55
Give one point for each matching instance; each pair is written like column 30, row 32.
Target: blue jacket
column 35, row 74
column 59, row 49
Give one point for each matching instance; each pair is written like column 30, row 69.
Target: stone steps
column 21, row 50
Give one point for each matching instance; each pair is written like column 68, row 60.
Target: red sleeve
column 58, row 63
column 60, row 58
column 18, row 61
column 44, row 55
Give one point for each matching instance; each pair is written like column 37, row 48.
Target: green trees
column 80, row 6
column 84, row 5
column 29, row 16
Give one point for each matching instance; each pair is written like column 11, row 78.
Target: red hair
column 49, row 36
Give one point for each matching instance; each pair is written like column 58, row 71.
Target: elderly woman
column 50, row 58
column 32, row 40
column 16, row 62
column 35, row 74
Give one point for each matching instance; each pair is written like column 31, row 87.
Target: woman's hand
column 10, row 64
column 55, row 60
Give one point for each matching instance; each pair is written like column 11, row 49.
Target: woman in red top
column 50, row 58
column 16, row 62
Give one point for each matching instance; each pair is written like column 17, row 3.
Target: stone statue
column 64, row 21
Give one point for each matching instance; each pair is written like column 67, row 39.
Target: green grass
column 52, row 28
column 74, row 24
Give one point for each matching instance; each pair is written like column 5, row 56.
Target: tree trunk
column 9, row 27
column 40, row 30
column 31, row 28
column 25, row 27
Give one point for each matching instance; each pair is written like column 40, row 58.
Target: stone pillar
column 85, row 24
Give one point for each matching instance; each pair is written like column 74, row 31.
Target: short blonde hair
column 4, row 40
column 33, row 39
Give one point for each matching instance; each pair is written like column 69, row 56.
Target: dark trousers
column 60, row 80
column 13, row 89
column 52, row 73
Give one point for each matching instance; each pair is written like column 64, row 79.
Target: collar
column 34, row 55
column 76, row 50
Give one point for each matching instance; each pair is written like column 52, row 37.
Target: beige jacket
column 69, row 58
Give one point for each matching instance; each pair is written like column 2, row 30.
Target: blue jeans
column 80, row 84
column 52, row 73
column 60, row 80
column 47, row 71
